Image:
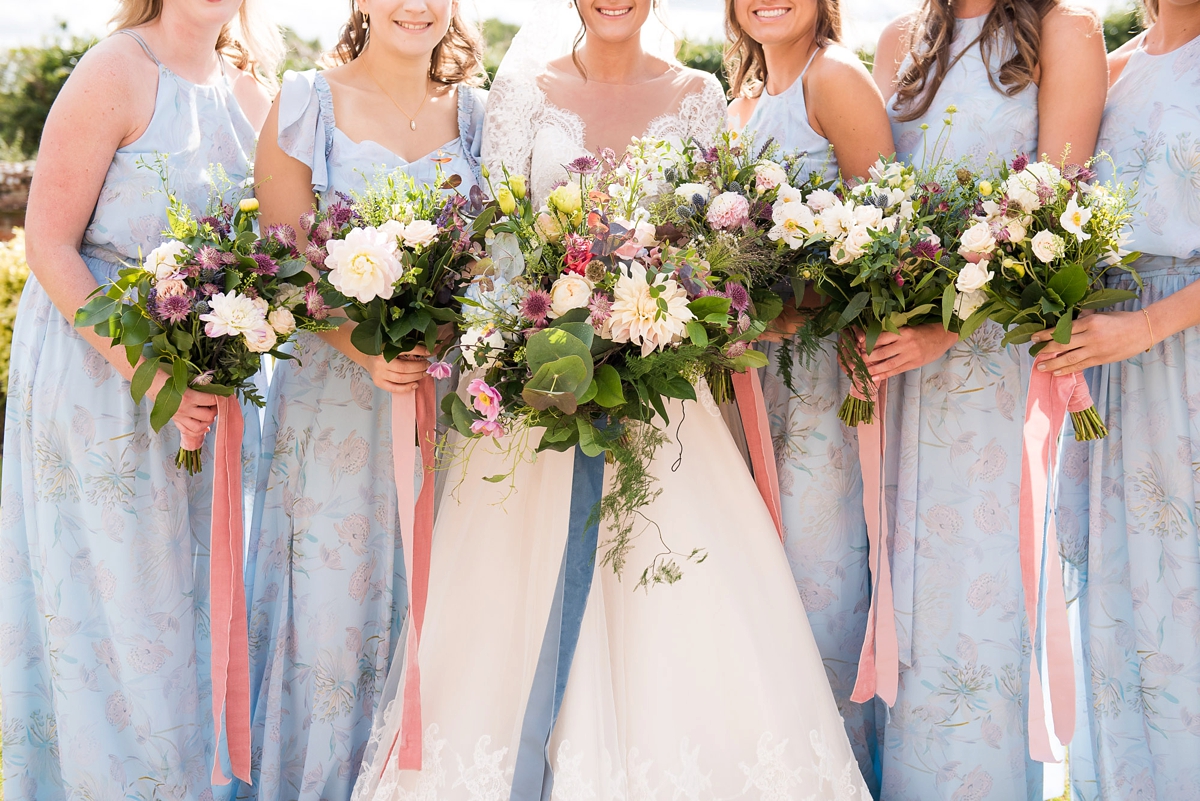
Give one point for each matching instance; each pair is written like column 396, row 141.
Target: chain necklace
column 412, row 118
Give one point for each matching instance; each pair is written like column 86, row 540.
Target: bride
column 708, row 688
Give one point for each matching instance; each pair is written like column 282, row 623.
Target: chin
column 208, row 12
column 616, row 20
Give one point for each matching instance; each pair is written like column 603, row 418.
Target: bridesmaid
column 1138, row 541
column 1026, row 76
column 794, row 84
column 328, row 594
column 104, row 630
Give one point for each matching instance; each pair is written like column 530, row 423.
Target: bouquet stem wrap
column 879, row 661
column 1050, row 398
column 413, row 421
column 227, row 596
column 752, row 407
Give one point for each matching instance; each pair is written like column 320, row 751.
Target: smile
column 614, row 12
column 414, row 26
column 771, row 13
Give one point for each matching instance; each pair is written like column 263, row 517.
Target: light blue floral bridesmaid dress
column 327, row 591
column 104, row 627
column 958, row 729
column 819, row 478
column 1128, row 511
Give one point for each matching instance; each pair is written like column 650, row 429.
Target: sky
column 27, row 21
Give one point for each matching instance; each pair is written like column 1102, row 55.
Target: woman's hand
column 400, row 374
column 196, row 412
column 914, row 347
column 1098, row 338
column 789, row 321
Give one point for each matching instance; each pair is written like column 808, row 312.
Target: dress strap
column 137, row 37
column 325, row 102
column 809, row 63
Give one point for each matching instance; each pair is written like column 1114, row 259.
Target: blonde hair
column 250, row 41
column 457, row 58
column 1018, row 21
column 745, row 62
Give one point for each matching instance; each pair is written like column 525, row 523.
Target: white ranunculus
column 688, row 191
column 973, row 277
column 364, row 266
column 1047, row 246
column 967, row 303
column 260, row 339
column 978, row 239
column 1074, row 217
column 821, row 199
column 419, row 233
column 282, row 321
column 636, row 316
column 231, row 314
column 163, row 261
column 768, row 175
column 991, row 209
column 1022, row 190
column 569, row 291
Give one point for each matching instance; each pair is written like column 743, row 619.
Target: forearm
column 1176, row 313
column 339, row 338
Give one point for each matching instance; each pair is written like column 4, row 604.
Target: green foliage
column 1121, row 25
column 301, row 54
column 30, row 79
column 497, row 36
column 13, row 272
column 707, row 56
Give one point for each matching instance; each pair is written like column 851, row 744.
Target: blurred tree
column 30, row 78
column 707, row 56
column 497, row 36
column 301, row 54
column 1121, row 25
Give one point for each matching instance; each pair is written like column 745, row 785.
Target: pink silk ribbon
column 227, row 597
column 747, row 389
column 413, row 421
column 879, row 661
column 1050, row 399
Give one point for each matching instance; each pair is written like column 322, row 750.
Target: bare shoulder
column 1118, row 58
column 836, row 62
column 1066, row 25
column 116, row 64
column 896, row 39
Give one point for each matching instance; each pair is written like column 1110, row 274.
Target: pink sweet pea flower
column 489, row 428
column 486, row 400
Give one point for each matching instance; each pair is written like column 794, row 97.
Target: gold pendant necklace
column 412, row 119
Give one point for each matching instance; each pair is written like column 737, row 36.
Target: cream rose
column 1047, row 246
column 974, row 277
column 768, row 175
column 282, row 321
column 570, row 291
column 978, row 239
column 967, row 303
column 163, row 261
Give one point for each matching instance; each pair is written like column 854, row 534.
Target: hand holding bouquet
column 204, row 306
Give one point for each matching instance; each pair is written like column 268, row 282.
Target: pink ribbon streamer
column 227, row 596
column 413, row 421
column 1050, row 399
column 747, row 389
column 879, row 661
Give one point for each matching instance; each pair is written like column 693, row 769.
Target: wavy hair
column 745, row 63
column 1018, row 22
column 457, row 58
column 250, row 41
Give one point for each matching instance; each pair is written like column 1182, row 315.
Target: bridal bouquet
column 585, row 323
column 1036, row 252
column 873, row 249
column 392, row 257
column 204, row 306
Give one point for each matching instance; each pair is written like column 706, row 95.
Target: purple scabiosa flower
column 439, row 370
column 340, row 214
column 323, row 232
column 314, row 304
column 584, row 165
column 710, row 154
column 315, row 255
column 1045, row 192
column 1077, row 172
column 1020, row 162
column 739, row 298
column 208, row 290
column 173, row 308
column 600, row 309
column 735, row 349
column 1000, row 232
column 743, row 323
column 933, row 188
column 307, row 220
column 285, row 235
column 265, row 265
column 209, row 258
column 535, row 306
column 926, row 249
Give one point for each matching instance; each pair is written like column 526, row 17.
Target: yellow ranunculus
column 506, row 201
column 249, row 204
column 566, row 199
column 985, row 188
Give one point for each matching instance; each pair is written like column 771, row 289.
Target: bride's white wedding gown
column 711, row 688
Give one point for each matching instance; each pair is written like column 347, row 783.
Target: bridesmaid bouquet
column 392, row 258
column 1036, row 250
column 204, row 306
column 874, row 251
column 584, row 321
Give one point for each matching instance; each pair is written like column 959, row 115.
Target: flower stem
column 856, row 410
column 188, row 460
column 1088, row 425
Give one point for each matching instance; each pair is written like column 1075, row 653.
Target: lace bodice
column 530, row 134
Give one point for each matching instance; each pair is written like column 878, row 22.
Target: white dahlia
column 643, row 319
column 364, row 266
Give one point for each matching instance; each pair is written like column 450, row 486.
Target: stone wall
column 14, row 194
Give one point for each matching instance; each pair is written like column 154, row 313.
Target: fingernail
column 1042, row 367
column 1058, row 372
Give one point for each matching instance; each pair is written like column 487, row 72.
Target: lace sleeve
column 513, row 107
column 703, row 112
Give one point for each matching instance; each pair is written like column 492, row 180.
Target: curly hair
column 745, row 63
column 458, row 58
